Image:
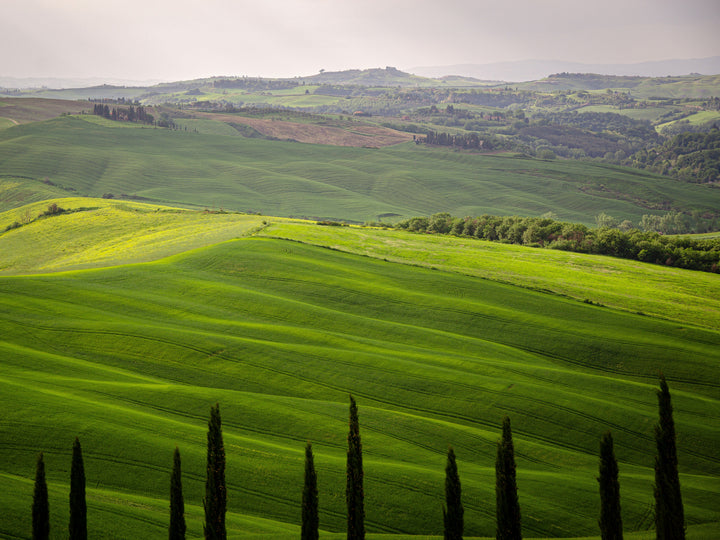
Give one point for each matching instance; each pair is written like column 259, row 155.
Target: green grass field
column 293, row 179
column 106, row 233
column 280, row 330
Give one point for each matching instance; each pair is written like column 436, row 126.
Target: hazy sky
column 184, row 39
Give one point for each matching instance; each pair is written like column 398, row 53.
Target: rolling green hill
column 689, row 86
column 279, row 331
column 292, row 179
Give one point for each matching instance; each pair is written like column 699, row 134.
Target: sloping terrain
column 350, row 135
column 360, row 184
column 24, row 110
column 278, row 332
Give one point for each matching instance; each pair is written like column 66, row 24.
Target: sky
column 185, row 39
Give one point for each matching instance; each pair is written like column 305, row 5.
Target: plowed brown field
column 348, row 134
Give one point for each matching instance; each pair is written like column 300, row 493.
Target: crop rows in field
column 279, row 333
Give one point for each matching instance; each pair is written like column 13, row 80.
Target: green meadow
column 199, row 170
column 167, row 311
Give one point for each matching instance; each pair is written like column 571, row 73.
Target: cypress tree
column 610, row 518
column 40, row 507
column 215, row 500
column 669, row 513
column 354, row 495
column 453, row 509
column 507, row 506
column 310, row 520
column 78, row 508
column 177, row 504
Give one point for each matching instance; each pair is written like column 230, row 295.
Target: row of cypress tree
column 669, row 514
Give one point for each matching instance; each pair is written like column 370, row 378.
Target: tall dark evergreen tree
column 41, row 506
column 669, row 513
column 507, row 505
column 453, row 509
column 78, row 507
column 177, row 503
column 354, row 495
column 215, row 501
column 610, row 518
column 310, row 519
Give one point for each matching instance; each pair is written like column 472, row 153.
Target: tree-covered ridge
column 692, row 157
column 645, row 246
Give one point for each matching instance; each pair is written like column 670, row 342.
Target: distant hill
column 388, row 76
column 687, row 86
column 532, row 70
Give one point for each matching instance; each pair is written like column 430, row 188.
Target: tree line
column 669, row 513
column 645, row 246
column 127, row 114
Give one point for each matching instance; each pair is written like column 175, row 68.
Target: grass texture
column 279, row 332
column 293, row 179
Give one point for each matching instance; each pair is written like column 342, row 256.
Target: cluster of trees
column 469, row 140
column 253, row 84
column 648, row 246
column 669, row 514
column 692, row 157
column 129, row 114
column 599, row 122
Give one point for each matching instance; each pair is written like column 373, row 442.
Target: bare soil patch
column 342, row 134
column 25, row 110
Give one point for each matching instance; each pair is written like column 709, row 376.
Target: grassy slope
column 691, row 86
column 110, row 233
column 288, row 179
column 279, row 332
column 24, row 110
column 673, row 293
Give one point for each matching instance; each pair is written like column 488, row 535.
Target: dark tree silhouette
column 610, row 517
column 177, row 503
column 78, row 507
column 453, row 509
column 41, row 506
column 354, row 495
column 669, row 513
column 310, row 520
column 507, row 505
column 215, row 501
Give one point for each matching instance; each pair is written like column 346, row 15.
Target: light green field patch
column 703, row 117
column 109, row 123
column 108, row 233
column 207, row 127
column 682, row 295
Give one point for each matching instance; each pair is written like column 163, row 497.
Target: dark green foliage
column 610, row 517
column 669, row 513
column 453, row 509
column 40, row 507
column 471, row 140
column 215, row 500
column 310, row 520
column 634, row 244
column 78, row 507
column 177, row 504
column 131, row 114
column 507, row 505
column 693, row 157
column 354, row 495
